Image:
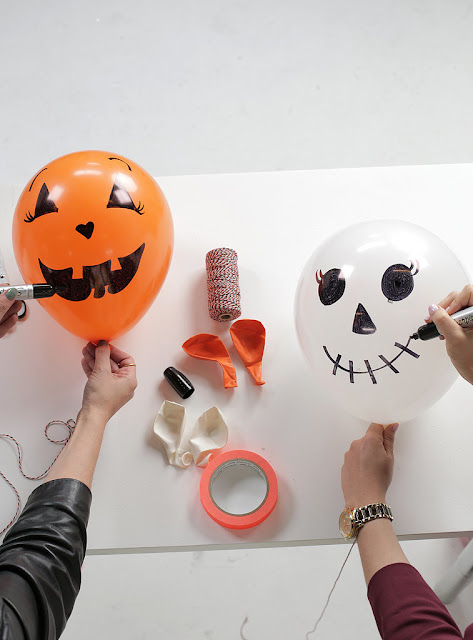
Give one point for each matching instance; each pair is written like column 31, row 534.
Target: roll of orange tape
column 229, row 461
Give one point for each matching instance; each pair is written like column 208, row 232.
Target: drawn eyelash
column 416, row 265
column 44, row 205
column 140, row 209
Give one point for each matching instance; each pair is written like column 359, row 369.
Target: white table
column 274, row 221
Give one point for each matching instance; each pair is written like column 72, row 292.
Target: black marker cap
column 178, row 381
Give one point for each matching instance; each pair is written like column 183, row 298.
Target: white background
column 224, row 87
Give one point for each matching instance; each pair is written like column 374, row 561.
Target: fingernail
column 442, row 337
column 102, row 343
column 395, row 427
column 427, row 318
column 432, row 309
column 11, row 293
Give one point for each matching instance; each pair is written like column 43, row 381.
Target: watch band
column 362, row 515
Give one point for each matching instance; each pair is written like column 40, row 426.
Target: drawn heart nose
column 86, row 229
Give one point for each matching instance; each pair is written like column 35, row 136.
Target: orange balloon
column 206, row 346
column 99, row 226
column 249, row 337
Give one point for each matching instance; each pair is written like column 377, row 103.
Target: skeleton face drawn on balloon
column 360, row 295
column 396, row 283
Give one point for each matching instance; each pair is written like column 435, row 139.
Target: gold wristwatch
column 352, row 519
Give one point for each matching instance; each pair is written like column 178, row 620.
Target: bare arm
column 378, row 546
column 366, row 475
column 79, row 457
column 404, row 606
column 111, row 383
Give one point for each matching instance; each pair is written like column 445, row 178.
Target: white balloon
column 360, row 297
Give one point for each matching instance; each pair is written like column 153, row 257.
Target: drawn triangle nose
column 362, row 322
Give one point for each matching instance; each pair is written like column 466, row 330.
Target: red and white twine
column 223, row 289
column 70, row 425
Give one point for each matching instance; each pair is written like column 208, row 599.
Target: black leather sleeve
column 40, row 561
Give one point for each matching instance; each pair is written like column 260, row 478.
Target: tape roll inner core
column 238, row 487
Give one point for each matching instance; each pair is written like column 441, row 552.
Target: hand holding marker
column 464, row 318
column 31, row 291
column 20, row 293
column 452, row 320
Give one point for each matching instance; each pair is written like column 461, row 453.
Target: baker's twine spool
column 222, row 284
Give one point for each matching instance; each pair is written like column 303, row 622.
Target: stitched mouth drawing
column 404, row 348
column 96, row 277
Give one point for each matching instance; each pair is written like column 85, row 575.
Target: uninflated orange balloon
column 97, row 225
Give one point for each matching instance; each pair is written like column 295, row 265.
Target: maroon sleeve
column 405, row 607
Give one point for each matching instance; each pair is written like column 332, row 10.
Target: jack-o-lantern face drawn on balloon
column 360, row 298
column 98, row 228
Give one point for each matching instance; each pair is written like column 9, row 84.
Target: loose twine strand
column 309, row 633
column 70, row 425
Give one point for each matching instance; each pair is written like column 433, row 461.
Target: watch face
column 345, row 525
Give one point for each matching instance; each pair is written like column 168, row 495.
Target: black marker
column 428, row 331
column 31, row 291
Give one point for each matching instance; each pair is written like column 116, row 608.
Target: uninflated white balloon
column 360, row 298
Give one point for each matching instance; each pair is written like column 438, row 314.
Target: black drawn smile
column 97, row 277
column 369, row 369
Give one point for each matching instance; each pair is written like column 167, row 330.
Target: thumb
column 446, row 325
column 388, row 436
column 102, row 356
column 6, row 300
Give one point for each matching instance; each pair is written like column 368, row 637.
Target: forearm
column 79, row 456
column 378, row 546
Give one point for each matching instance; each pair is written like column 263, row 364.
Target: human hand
column 111, row 380
column 368, row 467
column 8, row 311
column 459, row 342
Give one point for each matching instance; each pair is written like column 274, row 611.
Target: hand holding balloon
column 459, row 341
column 368, row 467
column 111, row 380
